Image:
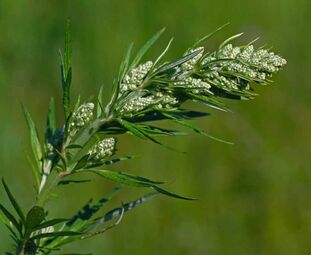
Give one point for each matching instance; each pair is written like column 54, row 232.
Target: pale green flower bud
column 135, row 77
column 189, row 65
column 81, row 117
column 103, row 149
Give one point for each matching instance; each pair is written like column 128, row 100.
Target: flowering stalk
column 144, row 93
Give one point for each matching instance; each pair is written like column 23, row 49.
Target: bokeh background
column 254, row 195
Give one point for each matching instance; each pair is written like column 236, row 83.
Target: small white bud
column 103, row 149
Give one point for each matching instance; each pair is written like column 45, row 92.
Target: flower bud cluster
column 196, row 85
column 216, row 78
column 252, row 63
column 165, row 101
column 103, row 149
column 81, row 117
column 135, row 77
column 189, row 65
column 138, row 104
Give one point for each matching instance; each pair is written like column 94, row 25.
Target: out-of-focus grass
column 254, row 195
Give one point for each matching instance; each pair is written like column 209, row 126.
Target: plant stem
column 45, row 193
column 51, row 178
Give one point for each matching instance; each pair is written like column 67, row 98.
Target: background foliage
column 254, row 195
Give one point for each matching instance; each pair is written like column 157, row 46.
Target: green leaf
column 34, row 217
column 4, row 219
column 34, row 139
column 194, row 128
column 116, row 84
column 99, row 107
column 137, row 130
column 135, row 181
column 51, row 120
column 170, row 194
column 118, row 211
column 176, row 63
column 81, row 163
column 68, row 47
column 9, row 218
column 116, row 160
column 66, row 182
column 80, row 219
column 229, row 40
column 163, row 53
column 49, row 223
column 209, row 101
column 125, row 64
column 55, row 234
column 66, row 70
column 157, row 131
column 66, row 93
column 35, row 172
column 123, row 178
column 157, row 115
column 74, row 146
column 108, row 162
column 146, row 47
column 14, row 202
column 197, row 43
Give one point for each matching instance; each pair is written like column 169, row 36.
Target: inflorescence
column 103, row 149
column 82, row 116
column 226, row 72
column 144, row 93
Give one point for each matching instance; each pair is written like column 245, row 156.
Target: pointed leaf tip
column 13, row 201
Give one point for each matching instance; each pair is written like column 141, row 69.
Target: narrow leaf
column 51, row 120
column 178, row 62
column 146, row 47
column 125, row 64
column 14, row 202
column 209, row 35
column 163, row 53
column 124, row 178
column 66, row 182
column 55, row 234
column 135, row 181
column 118, row 211
column 229, row 40
column 194, row 128
column 9, row 217
column 86, row 212
column 170, row 194
column 99, row 107
column 34, row 139
column 49, row 223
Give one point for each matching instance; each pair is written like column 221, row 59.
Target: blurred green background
column 254, row 195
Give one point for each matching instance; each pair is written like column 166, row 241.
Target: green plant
column 144, row 93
